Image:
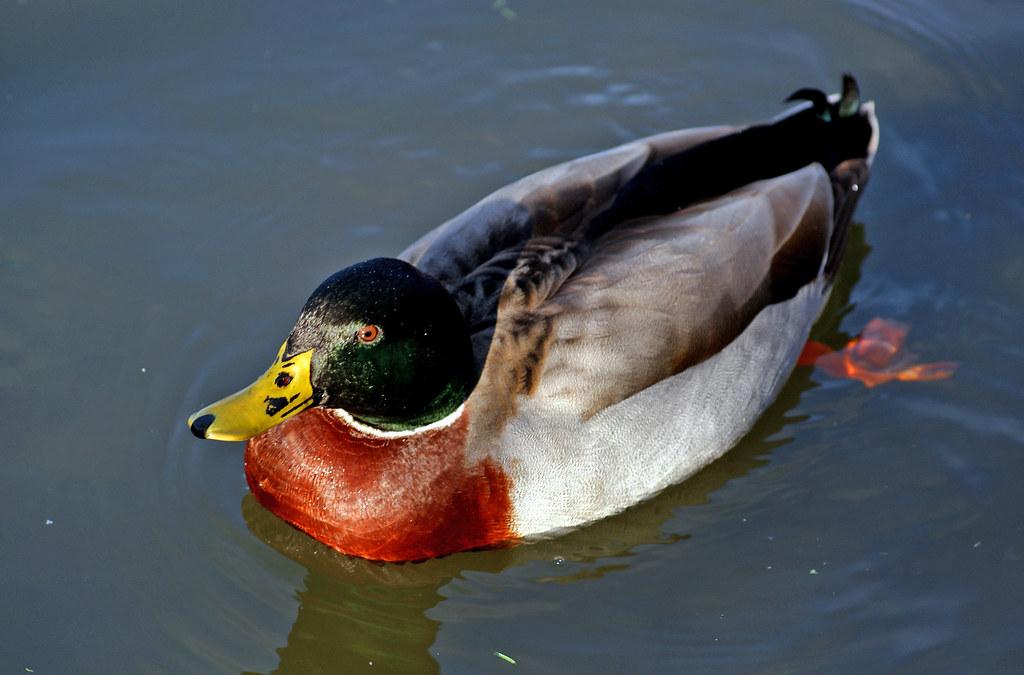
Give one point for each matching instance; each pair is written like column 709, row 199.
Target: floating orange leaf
column 875, row 356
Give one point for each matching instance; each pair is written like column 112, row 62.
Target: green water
column 177, row 177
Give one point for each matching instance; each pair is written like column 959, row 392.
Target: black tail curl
column 825, row 132
column 848, row 104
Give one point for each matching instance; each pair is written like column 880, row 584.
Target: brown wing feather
column 656, row 295
column 475, row 253
column 592, row 280
column 558, row 197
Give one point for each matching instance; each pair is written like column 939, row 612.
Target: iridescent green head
column 380, row 339
column 389, row 345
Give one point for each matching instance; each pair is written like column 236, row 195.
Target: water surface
column 177, row 177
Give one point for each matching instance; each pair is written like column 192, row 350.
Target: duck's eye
column 283, row 379
column 368, row 334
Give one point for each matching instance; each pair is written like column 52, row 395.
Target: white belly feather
column 565, row 473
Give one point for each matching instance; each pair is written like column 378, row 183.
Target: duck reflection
column 359, row 616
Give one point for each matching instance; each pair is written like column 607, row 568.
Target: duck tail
column 849, row 102
column 839, row 132
column 847, row 105
column 849, row 131
column 819, row 102
column 851, row 146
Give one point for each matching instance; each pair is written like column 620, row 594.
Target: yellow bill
column 281, row 392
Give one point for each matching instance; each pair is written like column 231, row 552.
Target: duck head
column 380, row 339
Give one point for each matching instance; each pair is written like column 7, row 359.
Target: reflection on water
column 355, row 614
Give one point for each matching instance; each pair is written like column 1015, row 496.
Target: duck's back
column 634, row 311
column 474, row 253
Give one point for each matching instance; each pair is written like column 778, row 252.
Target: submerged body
column 570, row 345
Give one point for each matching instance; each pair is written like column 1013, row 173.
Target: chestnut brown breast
column 380, row 497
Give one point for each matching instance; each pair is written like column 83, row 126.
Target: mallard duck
column 570, row 345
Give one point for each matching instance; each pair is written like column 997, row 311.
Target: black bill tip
column 201, row 424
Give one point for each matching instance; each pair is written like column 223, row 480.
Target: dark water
column 176, row 178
